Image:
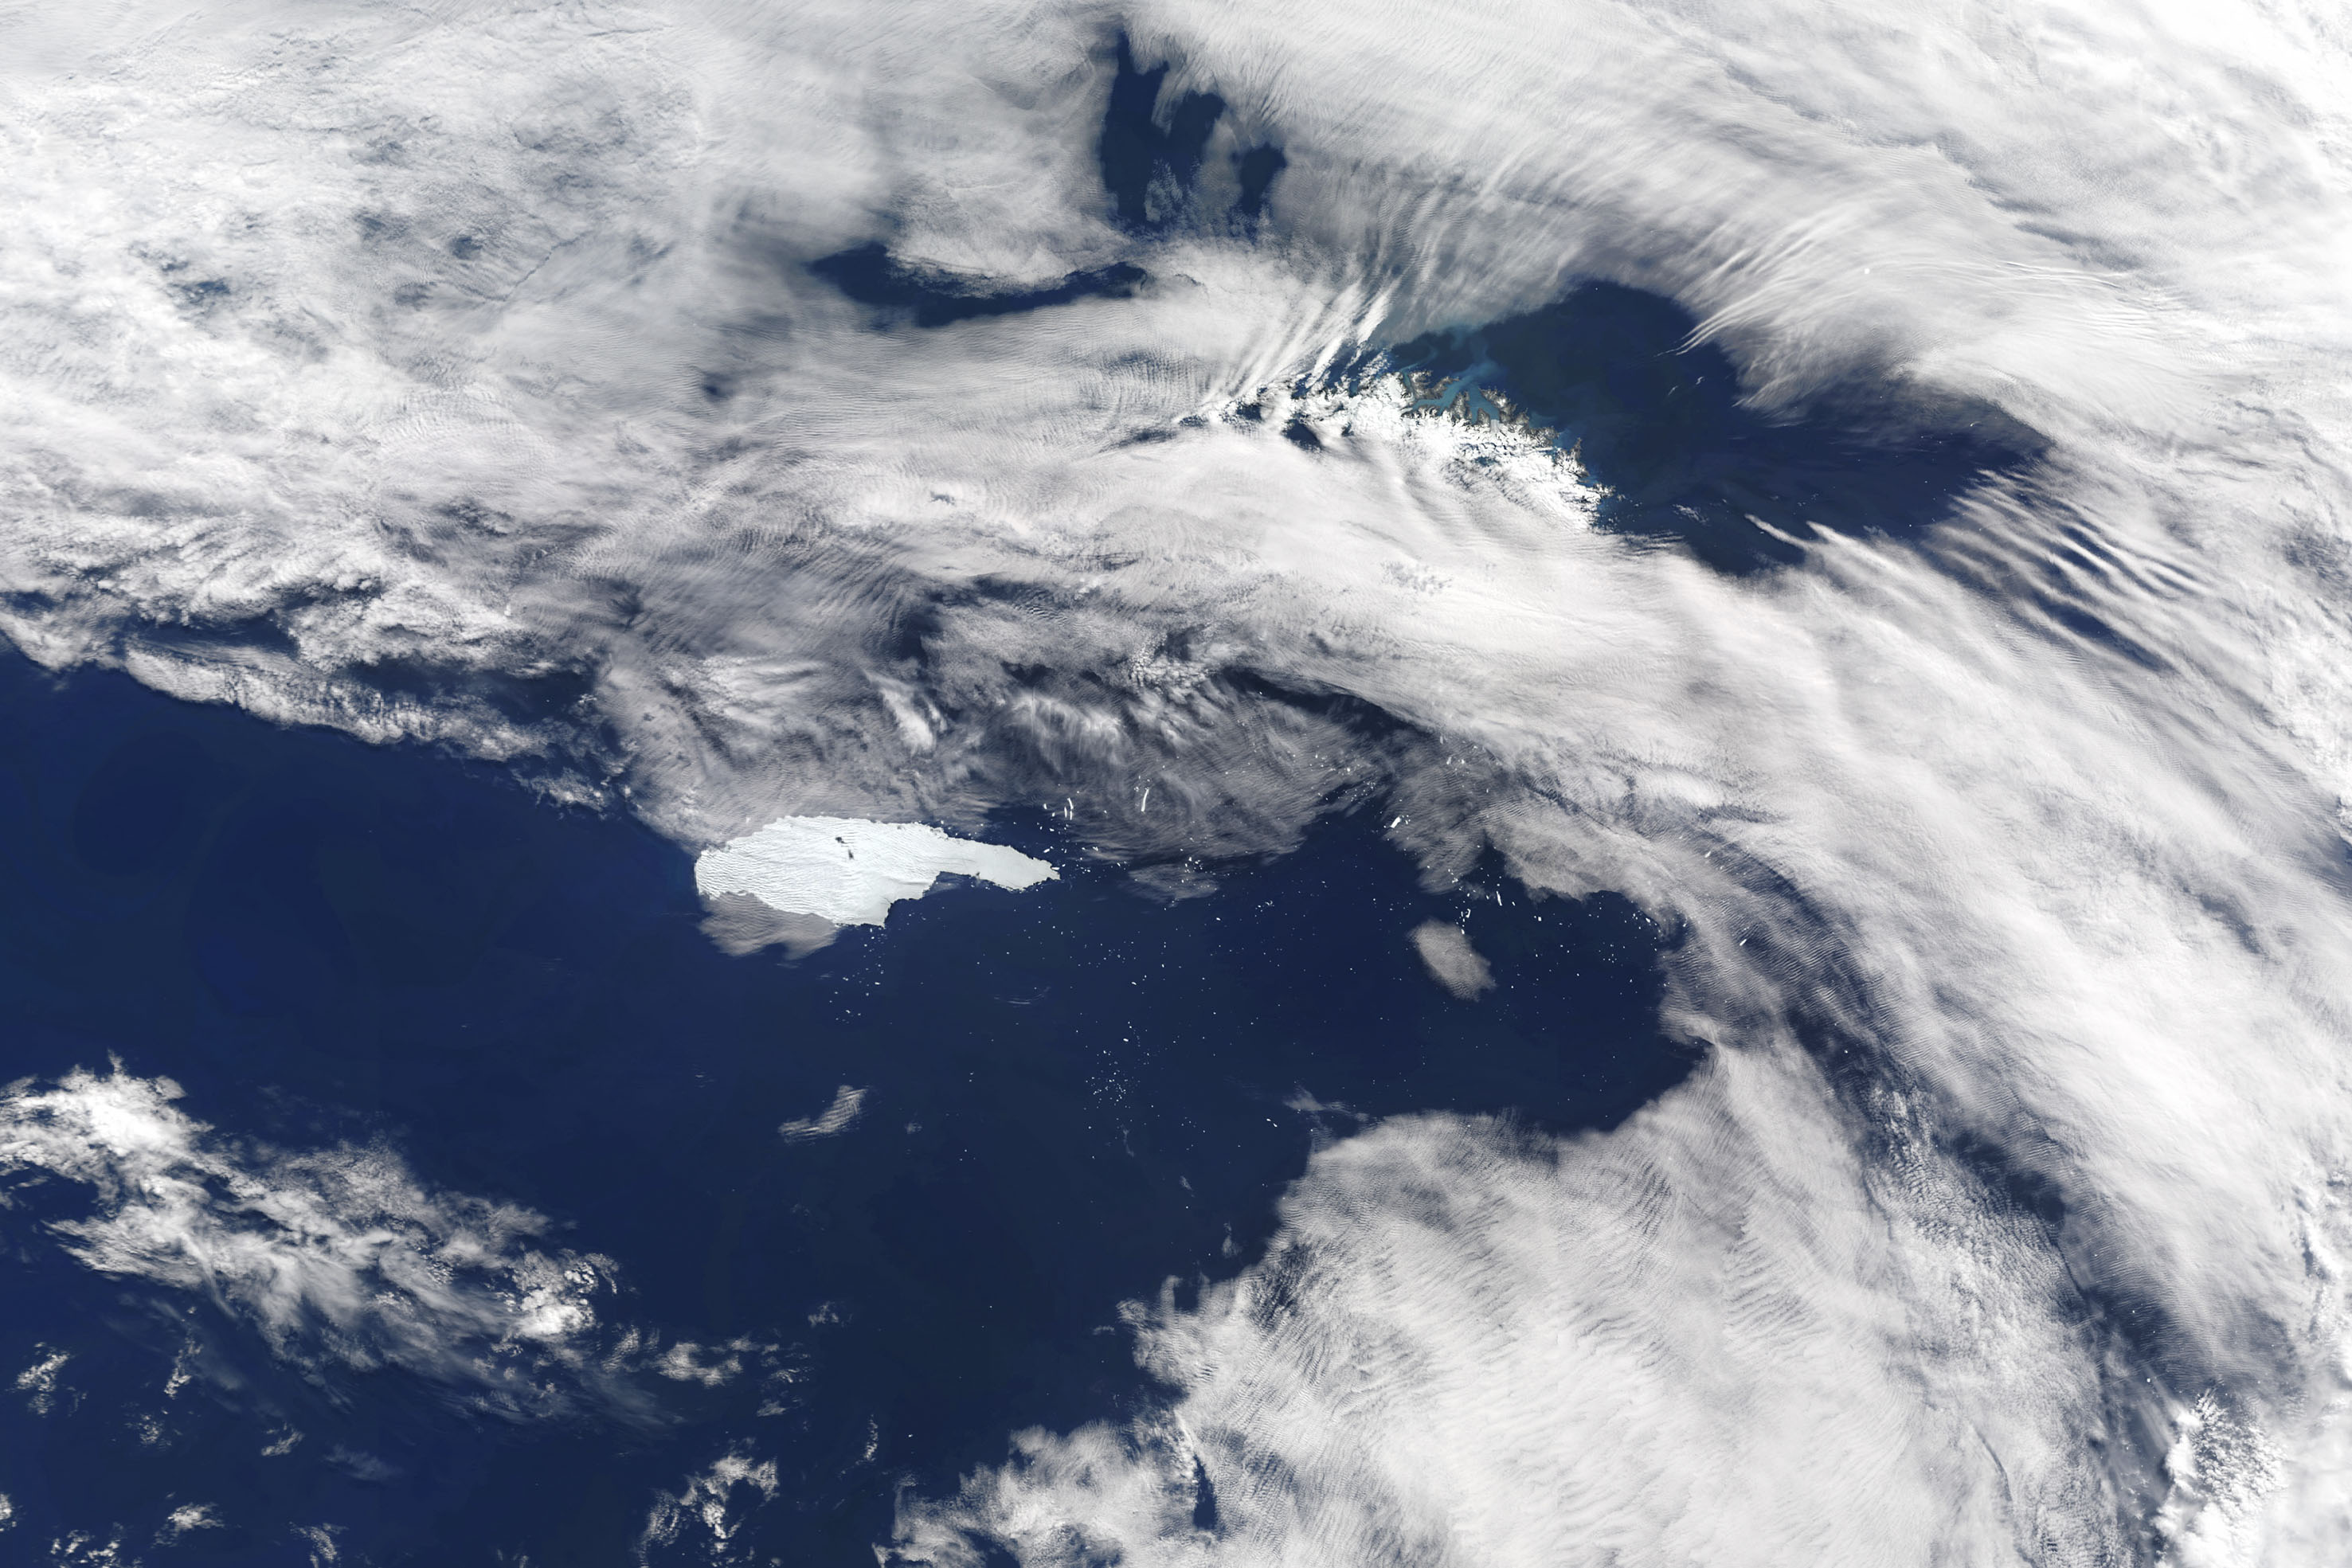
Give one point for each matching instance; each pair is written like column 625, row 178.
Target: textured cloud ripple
column 736, row 415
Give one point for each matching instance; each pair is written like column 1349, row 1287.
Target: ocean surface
column 1066, row 1098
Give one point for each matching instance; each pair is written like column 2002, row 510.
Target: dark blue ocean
column 1072, row 1095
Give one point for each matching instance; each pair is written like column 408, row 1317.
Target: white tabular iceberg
column 850, row 871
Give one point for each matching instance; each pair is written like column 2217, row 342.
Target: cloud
column 847, row 1104
column 1705, row 1336
column 740, row 925
column 39, row 1383
column 1451, row 961
column 339, row 1258
column 468, row 380
column 185, row 1517
column 702, row 1522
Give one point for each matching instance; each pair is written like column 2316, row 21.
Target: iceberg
column 850, row 871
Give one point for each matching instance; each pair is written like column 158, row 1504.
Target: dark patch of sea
column 1056, row 1099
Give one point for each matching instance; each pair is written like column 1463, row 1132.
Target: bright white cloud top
column 338, row 1256
column 850, row 871
column 408, row 371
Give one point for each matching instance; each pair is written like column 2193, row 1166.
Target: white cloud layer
column 339, row 1258
column 459, row 376
column 702, row 1522
column 1472, row 1345
column 848, row 1103
column 1452, row 962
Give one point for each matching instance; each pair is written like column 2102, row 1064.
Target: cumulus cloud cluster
column 339, row 1258
column 1442, row 1362
column 703, row 1522
column 475, row 380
